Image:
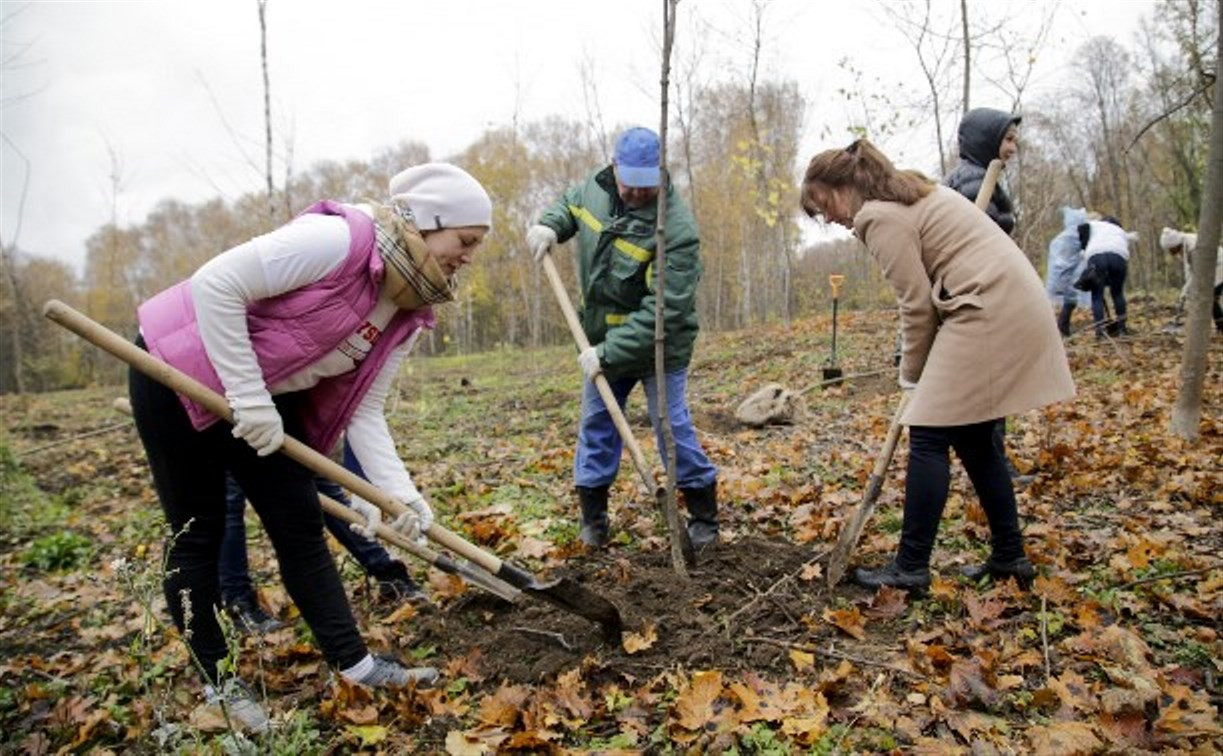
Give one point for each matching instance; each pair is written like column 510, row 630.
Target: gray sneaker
column 389, row 673
column 235, row 699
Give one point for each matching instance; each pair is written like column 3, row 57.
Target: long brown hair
column 862, row 166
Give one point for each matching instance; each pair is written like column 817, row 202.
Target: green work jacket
column 616, row 248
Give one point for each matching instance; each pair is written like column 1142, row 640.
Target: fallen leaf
column 637, row 642
column 502, row 707
column 1068, row 738
column 694, row 705
column 849, row 620
column 801, row 660
column 365, row 715
column 887, row 603
column 370, row 735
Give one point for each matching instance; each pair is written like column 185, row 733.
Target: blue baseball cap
column 637, row 158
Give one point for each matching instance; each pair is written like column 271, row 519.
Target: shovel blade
column 571, row 596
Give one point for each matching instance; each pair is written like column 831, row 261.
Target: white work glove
column 260, row 426
column 540, row 239
column 588, row 358
column 372, row 515
column 416, row 520
column 906, row 385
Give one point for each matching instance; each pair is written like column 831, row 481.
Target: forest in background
column 1123, row 132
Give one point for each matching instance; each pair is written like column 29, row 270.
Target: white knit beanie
column 441, row 195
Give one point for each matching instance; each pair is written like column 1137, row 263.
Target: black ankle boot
column 702, row 514
column 1020, row 569
column 595, row 530
column 892, row 575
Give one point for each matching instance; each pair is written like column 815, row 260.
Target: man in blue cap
column 613, row 216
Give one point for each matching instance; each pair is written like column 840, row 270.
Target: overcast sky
column 173, row 88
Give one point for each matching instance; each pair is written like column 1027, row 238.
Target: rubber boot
column 1063, row 319
column 702, row 514
column 595, row 529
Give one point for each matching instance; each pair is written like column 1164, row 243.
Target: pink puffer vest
column 293, row 330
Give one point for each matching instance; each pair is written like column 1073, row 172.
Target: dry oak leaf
column 502, row 707
column 849, row 620
column 694, row 705
column 1064, row 738
column 571, row 694
column 636, row 642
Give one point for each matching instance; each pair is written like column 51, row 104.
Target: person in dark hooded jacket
column 986, row 134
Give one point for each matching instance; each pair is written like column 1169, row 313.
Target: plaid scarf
column 413, row 278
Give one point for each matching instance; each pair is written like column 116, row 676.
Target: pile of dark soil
column 738, row 591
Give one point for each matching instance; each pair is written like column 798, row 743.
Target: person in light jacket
column 303, row 329
column 1106, row 255
column 978, row 344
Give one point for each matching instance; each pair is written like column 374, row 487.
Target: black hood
column 981, row 133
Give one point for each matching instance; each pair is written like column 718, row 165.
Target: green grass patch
column 57, row 552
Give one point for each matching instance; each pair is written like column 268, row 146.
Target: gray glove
column 540, row 239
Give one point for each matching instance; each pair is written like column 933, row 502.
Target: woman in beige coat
column 979, row 344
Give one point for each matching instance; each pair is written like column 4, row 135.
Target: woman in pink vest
column 303, row 329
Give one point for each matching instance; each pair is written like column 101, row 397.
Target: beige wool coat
column 980, row 340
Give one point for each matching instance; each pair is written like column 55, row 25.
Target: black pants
column 1217, row 311
column 189, row 469
column 928, row 480
column 1111, row 269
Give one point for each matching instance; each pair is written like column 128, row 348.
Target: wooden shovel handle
column 609, row 399
column 852, row 530
column 184, row 384
column 990, row 181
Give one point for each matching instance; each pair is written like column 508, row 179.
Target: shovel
column 443, row 562
column 832, row 371
column 852, row 530
column 848, row 538
column 617, row 416
column 336, row 509
column 564, row 593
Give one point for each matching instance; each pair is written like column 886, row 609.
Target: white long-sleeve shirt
column 296, row 255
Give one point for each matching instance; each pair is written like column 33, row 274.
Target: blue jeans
column 599, row 444
column 234, row 568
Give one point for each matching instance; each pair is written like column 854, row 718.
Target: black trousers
column 189, row 468
column 928, row 480
column 1112, row 269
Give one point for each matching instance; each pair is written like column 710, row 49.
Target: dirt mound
column 698, row 623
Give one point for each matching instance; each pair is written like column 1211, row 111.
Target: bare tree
column 935, row 56
column 678, row 563
column 267, row 107
column 1187, row 412
column 966, row 40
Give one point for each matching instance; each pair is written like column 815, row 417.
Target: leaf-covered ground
column 1117, row 648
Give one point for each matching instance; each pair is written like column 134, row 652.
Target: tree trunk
column 267, row 107
column 1187, row 412
column 967, row 51
column 660, row 303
